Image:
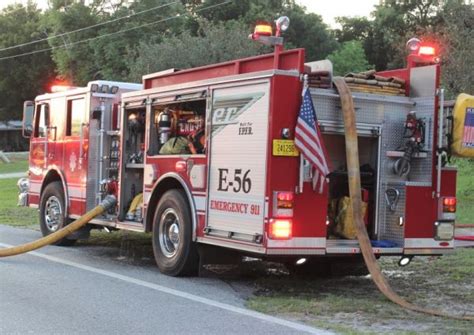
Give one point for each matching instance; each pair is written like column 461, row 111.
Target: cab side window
column 42, row 120
column 75, row 117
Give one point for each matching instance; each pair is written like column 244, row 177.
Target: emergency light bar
column 61, row 88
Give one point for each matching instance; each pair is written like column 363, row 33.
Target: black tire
column 175, row 252
column 51, row 212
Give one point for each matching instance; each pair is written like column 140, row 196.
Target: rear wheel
column 52, row 212
column 175, row 252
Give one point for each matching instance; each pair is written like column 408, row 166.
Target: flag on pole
column 308, row 140
column 468, row 135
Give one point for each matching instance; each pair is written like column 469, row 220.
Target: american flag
column 309, row 142
column 468, row 135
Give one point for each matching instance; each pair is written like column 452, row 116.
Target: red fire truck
column 206, row 157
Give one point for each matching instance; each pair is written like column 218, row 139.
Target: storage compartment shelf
column 395, row 154
column 135, row 166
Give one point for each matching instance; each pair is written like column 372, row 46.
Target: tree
column 112, row 54
column 352, row 29
column 22, row 78
column 393, row 23
column 455, row 33
column 73, row 61
column 307, row 30
column 214, row 43
column 310, row 32
column 350, row 57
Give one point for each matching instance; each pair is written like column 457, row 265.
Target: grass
column 353, row 305
column 10, row 214
column 465, row 191
column 16, row 165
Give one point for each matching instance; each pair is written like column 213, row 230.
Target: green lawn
column 465, row 191
column 16, row 165
column 9, row 212
column 353, row 305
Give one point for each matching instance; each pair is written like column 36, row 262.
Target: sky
column 328, row 9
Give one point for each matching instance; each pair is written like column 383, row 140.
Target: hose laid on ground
column 460, row 225
column 107, row 203
column 353, row 170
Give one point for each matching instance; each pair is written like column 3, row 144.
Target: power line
column 88, row 27
column 110, row 34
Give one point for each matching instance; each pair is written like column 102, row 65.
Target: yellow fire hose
column 107, row 203
column 352, row 156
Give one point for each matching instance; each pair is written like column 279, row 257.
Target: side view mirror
column 28, row 114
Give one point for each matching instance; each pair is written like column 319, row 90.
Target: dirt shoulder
column 353, row 304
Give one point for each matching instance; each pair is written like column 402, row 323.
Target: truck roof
column 123, row 86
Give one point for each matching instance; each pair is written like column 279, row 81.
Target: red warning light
column 426, row 50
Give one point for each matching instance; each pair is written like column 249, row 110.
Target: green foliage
column 350, row 57
column 21, row 78
column 213, row 43
column 112, row 54
column 73, row 62
column 456, row 30
column 307, row 30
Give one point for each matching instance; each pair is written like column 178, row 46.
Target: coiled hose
column 352, row 156
column 107, row 203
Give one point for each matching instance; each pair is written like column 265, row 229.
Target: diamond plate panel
column 389, row 113
column 370, row 108
column 389, row 221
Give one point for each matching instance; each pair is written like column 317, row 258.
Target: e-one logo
column 227, row 110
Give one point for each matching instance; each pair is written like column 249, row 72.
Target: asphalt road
column 81, row 290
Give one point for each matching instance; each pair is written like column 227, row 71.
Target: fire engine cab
column 206, row 157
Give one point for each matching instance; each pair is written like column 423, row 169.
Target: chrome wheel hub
column 53, row 214
column 169, row 233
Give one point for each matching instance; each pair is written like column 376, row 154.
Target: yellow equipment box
column 463, row 128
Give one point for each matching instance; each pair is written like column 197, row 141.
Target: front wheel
column 175, row 252
column 52, row 213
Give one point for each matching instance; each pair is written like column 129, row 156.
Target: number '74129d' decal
column 226, row 110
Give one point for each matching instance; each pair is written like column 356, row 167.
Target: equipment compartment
column 341, row 224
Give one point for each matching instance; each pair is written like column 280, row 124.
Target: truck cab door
column 75, row 153
column 39, row 141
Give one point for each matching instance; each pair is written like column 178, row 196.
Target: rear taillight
column 449, row 204
column 285, row 199
column 283, row 204
column 280, row 229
